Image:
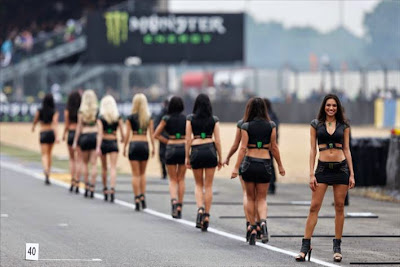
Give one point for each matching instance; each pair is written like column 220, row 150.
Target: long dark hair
column 202, row 107
column 256, row 108
column 73, row 103
column 175, row 105
column 340, row 117
column 48, row 108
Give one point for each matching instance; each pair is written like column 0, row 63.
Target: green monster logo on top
column 117, row 27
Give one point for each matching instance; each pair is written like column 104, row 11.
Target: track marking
column 3, row 215
column 19, row 168
column 91, row 260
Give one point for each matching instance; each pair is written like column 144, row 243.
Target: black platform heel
column 143, row 201
column 199, row 219
column 91, row 187
column 337, row 256
column 105, row 193
column 306, row 249
column 264, row 232
column 137, row 203
column 86, row 190
column 253, row 235
column 179, row 211
column 71, row 189
column 248, row 231
column 258, row 224
column 205, row 223
column 47, row 179
column 77, row 182
column 174, row 208
column 112, row 195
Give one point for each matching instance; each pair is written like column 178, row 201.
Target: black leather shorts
column 108, row 146
column 175, row 154
column 203, row 156
column 138, row 150
column 256, row 170
column 47, row 137
column 332, row 172
column 71, row 136
column 87, row 141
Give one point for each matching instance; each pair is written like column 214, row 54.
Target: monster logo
column 117, row 27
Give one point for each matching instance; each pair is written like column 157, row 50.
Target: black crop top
column 109, row 128
column 202, row 128
column 259, row 131
column 134, row 120
column 175, row 124
column 46, row 118
column 324, row 137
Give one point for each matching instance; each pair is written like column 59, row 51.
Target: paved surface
column 68, row 226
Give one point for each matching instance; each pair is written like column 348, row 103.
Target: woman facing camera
column 174, row 124
column 137, row 126
column 203, row 155
column 258, row 135
column 48, row 117
column 86, row 137
column 108, row 123
column 332, row 131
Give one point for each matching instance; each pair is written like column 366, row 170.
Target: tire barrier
column 393, row 163
column 387, row 113
column 370, row 156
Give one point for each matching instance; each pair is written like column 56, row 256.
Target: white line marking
column 70, row 259
column 20, row 169
column 3, row 215
column 63, row 224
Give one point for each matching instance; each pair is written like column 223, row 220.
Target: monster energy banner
column 115, row 36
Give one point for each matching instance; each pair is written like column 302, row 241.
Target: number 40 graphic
column 32, row 251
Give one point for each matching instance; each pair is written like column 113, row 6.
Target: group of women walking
column 194, row 143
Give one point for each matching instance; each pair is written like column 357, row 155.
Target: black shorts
column 203, row 156
column 175, row 154
column 108, row 146
column 87, row 141
column 138, row 150
column 332, row 172
column 71, row 136
column 47, row 137
column 256, row 170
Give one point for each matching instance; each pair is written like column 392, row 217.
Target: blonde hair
column 140, row 106
column 89, row 106
column 109, row 109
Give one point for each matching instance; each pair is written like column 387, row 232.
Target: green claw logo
column 117, row 27
column 259, row 144
column 178, row 136
column 203, row 135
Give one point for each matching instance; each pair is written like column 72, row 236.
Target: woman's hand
column 281, row 170
column 124, row 152
column 74, row 145
column 152, row 153
column 63, row 139
column 352, row 181
column 313, row 183
column 98, row 151
column 225, row 162
column 235, row 173
column 187, row 163
column 219, row 165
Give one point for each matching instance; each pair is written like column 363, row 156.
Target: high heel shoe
column 253, row 235
column 143, row 201
column 91, row 188
column 47, row 180
column 258, row 236
column 179, row 210
column 264, row 232
column 248, row 231
column 72, row 185
column 86, row 190
column 305, row 249
column 205, row 223
column 77, row 182
column 105, row 193
column 337, row 256
column 174, row 208
column 112, row 194
column 137, row 203
column 199, row 219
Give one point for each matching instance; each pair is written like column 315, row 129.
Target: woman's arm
column 78, row 131
column 217, row 140
column 55, row 126
column 151, row 130
column 35, row 120
column 100, row 133
column 347, row 154
column 234, row 147
column 121, row 130
column 127, row 135
column 275, row 152
column 313, row 154
column 188, row 143
column 159, row 130
column 242, row 152
column 66, row 124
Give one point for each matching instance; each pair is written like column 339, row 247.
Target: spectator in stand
column 6, row 52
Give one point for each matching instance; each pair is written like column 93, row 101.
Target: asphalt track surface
column 74, row 231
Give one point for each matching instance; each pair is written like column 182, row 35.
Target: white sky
column 324, row 15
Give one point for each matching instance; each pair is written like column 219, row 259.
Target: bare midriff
column 331, row 155
column 200, row 141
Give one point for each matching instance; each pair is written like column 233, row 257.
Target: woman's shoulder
column 215, row 118
column 190, row 117
column 239, row 123
column 315, row 123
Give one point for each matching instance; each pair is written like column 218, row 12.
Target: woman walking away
column 332, row 131
column 174, row 123
column 71, row 122
column 48, row 117
column 85, row 137
column 203, row 155
column 108, row 123
column 137, row 125
column 258, row 137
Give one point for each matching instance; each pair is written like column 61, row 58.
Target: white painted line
column 70, row 259
column 3, row 215
column 17, row 168
column 360, row 214
column 300, row 202
column 63, row 224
